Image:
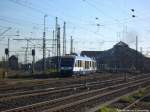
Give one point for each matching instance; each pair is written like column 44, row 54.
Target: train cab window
column 67, row 62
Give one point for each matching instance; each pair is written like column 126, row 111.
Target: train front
column 66, row 65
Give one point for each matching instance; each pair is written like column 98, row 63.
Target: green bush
column 127, row 99
column 107, row 109
column 138, row 94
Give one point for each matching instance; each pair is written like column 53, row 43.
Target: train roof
column 79, row 57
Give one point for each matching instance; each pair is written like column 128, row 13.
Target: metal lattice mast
column 44, row 47
column 55, row 43
column 64, row 39
column 71, row 45
column 26, row 50
column 58, row 42
column 58, row 49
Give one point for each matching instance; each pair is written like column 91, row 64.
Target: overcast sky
column 94, row 24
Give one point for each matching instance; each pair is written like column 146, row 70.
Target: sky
column 95, row 25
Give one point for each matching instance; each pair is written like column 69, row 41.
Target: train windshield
column 67, row 62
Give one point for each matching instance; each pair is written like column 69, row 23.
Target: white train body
column 77, row 65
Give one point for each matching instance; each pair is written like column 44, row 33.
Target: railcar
column 77, row 65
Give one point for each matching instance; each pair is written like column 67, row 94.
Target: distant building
column 118, row 58
column 51, row 62
column 13, row 62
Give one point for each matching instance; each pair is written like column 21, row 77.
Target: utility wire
column 99, row 10
column 16, row 20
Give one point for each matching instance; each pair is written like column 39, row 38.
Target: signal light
column 33, row 52
column 6, row 51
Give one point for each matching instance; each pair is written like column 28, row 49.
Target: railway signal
column 33, row 62
column 6, row 61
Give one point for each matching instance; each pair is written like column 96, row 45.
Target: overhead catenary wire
column 31, row 9
column 99, row 10
column 78, row 28
column 120, row 9
column 113, row 19
column 40, row 11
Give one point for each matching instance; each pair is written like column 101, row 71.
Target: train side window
column 80, row 63
column 85, row 64
column 88, row 64
column 76, row 64
column 93, row 64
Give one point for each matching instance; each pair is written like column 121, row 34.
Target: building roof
column 13, row 57
column 120, row 49
column 121, row 44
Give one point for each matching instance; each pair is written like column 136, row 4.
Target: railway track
column 53, row 103
column 18, row 93
column 88, row 101
column 2, row 96
column 33, row 85
column 136, row 101
column 48, row 94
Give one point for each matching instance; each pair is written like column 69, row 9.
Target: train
column 77, row 65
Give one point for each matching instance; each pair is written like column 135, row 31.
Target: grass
column 1, row 73
column 138, row 94
column 108, row 109
column 127, row 99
